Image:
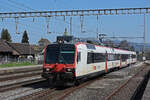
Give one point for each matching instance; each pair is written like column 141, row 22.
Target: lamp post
column 144, row 39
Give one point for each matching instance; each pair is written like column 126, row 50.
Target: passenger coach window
column 112, row 57
column 124, row 57
column 95, row 58
column 99, row 57
column 90, row 58
column 117, row 57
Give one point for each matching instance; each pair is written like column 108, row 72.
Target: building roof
column 4, row 47
column 38, row 49
column 16, row 48
column 22, row 48
column 43, row 42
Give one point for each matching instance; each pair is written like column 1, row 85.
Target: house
column 38, row 53
column 6, row 52
column 43, row 42
column 39, row 49
column 12, row 52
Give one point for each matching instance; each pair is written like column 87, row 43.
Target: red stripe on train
column 106, row 62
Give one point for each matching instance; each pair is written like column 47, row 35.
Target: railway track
column 19, row 70
column 49, row 93
column 17, row 76
column 19, row 79
column 62, row 93
column 20, row 84
column 126, row 90
column 122, row 92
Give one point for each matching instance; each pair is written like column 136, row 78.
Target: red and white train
column 68, row 63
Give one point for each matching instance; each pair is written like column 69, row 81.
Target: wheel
column 50, row 82
column 77, row 83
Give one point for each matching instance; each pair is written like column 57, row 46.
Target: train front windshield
column 60, row 53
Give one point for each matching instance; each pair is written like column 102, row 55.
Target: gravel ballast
column 100, row 89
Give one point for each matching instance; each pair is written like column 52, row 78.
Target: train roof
column 105, row 49
column 101, row 48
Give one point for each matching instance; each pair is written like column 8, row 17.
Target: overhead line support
column 121, row 11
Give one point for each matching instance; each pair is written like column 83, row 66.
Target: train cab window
column 62, row 54
column 78, row 57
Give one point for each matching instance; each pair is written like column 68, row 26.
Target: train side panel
column 84, row 68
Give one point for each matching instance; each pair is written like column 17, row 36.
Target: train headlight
column 47, row 69
column 70, row 70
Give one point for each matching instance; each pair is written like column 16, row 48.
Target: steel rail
column 37, row 95
column 24, row 75
column 19, row 84
column 19, row 70
column 123, row 85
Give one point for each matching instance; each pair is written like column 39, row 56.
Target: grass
column 16, row 64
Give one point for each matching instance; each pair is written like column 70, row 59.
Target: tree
column 124, row 45
column 5, row 35
column 65, row 33
column 132, row 48
column 109, row 43
column 25, row 38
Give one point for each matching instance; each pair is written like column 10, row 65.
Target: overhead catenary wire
column 35, row 10
column 12, row 6
column 64, row 21
column 47, row 24
column 21, row 5
column 4, row 7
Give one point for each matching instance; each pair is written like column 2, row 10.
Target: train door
column 80, row 68
column 106, row 61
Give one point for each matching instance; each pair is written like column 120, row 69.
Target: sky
column 111, row 25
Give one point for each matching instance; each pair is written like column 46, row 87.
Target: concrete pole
column 71, row 26
column 144, row 37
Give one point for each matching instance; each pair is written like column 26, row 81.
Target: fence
column 7, row 59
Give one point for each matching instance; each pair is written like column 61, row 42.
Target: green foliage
column 65, row 33
column 25, row 38
column 109, row 43
column 125, row 45
column 5, row 35
column 132, row 48
column 15, row 64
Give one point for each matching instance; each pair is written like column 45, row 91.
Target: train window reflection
column 63, row 54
